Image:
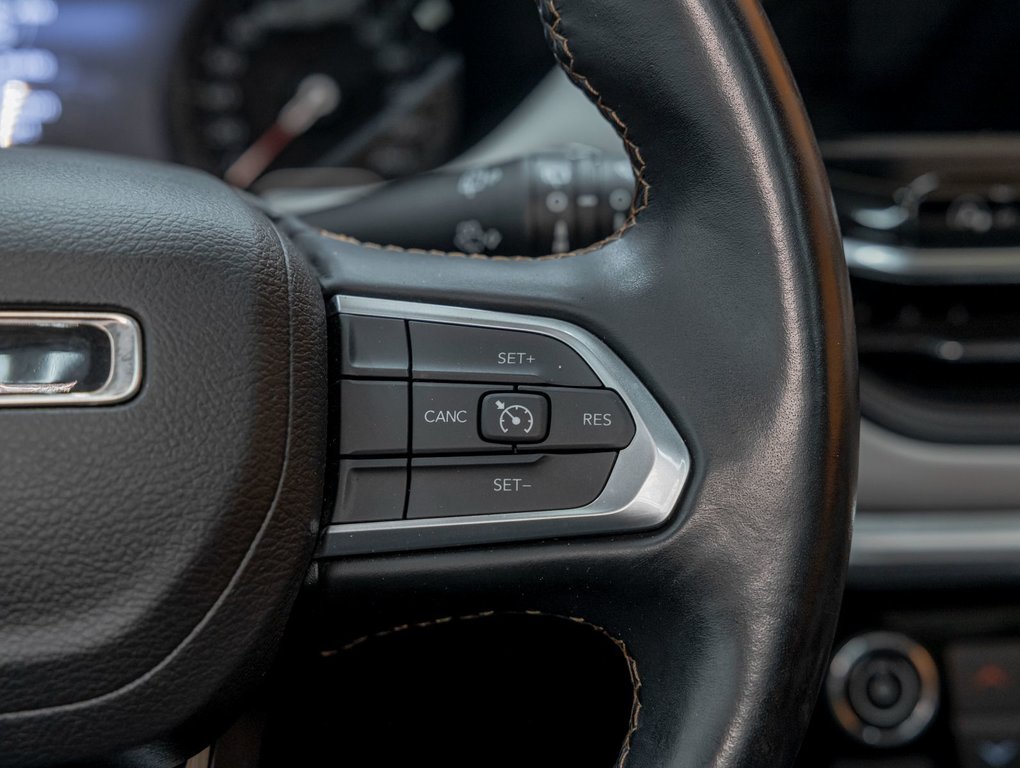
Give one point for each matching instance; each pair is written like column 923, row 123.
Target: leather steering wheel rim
column 154, row 547
column 727, row 292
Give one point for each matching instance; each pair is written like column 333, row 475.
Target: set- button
column 524, row 483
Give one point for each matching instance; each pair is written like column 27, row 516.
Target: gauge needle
column 316, row 96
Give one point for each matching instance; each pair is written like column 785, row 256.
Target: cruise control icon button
column 511, row 417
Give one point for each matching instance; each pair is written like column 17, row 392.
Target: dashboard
column 918, row 118
column 389, row 88
column 909, row 66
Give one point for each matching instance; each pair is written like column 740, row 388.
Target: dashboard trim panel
column 954, row 266
column 910, row 550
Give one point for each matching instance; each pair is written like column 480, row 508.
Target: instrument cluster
column 252, row 90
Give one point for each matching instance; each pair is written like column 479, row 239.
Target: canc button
column 444, row 419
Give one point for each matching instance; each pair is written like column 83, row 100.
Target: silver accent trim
column 935, row 539
column 852, row 653
column 903, row 474
column 201, row 760
column 125, row 376
column 642, row 491
column 932, row 265
column 38, row 389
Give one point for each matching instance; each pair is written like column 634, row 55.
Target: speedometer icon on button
column 516, row 418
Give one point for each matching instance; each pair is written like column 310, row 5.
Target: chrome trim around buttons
column 642, row 491
column 932, row 265
column 121, row 383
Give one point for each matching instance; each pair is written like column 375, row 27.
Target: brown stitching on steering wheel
column 552, row 20
column 632, row 668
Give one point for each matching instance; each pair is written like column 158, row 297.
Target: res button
column 466, row 353
column 587, row 419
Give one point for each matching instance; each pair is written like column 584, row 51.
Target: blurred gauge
column 270, row 84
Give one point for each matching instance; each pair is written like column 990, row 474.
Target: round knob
column 883, row 688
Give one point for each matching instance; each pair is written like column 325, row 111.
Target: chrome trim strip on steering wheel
column 46, row 357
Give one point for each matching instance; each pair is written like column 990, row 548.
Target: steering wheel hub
column 150, row 545
column 152, row 548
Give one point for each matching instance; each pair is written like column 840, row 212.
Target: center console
column 922, row 680
column 920, row 131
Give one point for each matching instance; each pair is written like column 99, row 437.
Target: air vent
column 932, row 238
column 941, row 362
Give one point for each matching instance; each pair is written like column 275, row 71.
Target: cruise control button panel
column 459, row 426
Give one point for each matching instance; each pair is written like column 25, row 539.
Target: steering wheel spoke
column 655, row 436
column 725, row 300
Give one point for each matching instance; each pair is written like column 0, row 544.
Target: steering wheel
column 158, row 523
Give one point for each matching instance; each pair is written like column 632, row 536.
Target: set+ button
column 468, row 353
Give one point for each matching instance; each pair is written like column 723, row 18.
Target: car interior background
column 395, row 122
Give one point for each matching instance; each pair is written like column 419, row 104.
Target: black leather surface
column 729, row 297
column 149, row 551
